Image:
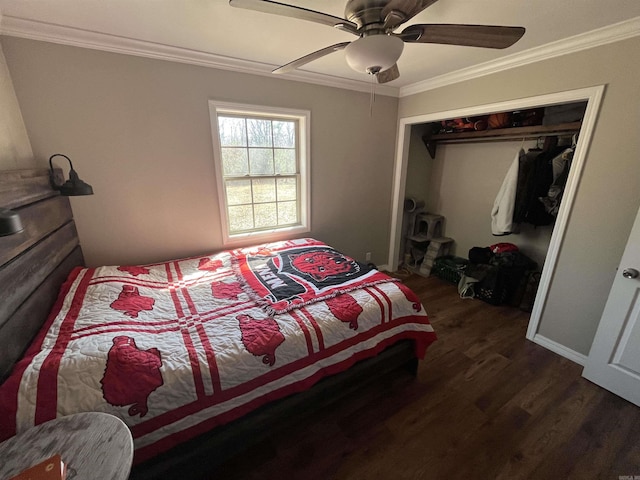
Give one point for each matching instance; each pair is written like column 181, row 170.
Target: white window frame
column 303, row 117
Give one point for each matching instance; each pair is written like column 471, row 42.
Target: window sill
column 254, row 238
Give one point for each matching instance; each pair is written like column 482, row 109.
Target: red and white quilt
column 177, row 348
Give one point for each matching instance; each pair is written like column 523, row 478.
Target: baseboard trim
column 561, row 350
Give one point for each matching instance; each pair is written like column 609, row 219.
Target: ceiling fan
column 378, row 47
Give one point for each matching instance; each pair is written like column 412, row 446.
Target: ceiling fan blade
column 310, row 58
column 396, row 12
column 389, row 74
column 267, row 6
column 487, row 36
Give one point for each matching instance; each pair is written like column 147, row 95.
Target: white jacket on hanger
column 502, row 212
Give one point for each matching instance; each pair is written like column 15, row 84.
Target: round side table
column 92, row 445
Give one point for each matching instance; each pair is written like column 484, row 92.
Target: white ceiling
column 212, row 27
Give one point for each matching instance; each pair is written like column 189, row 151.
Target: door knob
column 630, row 273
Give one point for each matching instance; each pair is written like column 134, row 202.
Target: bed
column 197, row 355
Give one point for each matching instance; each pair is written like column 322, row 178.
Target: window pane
column 266, row 215
column 232, row 131
column 259, row 132
column 240, row 218
column 262, row 174
column 238, row 192
column 287, row 213
column 261, row 161
column 284, row 134
column 234, row 162
column 287, row 189
column 264, row 190
column 285, row 160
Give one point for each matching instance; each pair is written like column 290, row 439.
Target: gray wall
column 138, row 130
column 15, row 149
column 609, row 192
column 419, row 166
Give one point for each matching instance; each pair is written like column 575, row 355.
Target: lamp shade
column 10, row 222
column 374, row 53
column 75, row 186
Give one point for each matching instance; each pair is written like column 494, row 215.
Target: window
column 262, row 165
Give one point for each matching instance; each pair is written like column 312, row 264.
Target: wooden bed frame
column 35, row 263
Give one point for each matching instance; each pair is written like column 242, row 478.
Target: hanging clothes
column 534, row 181
column 504, row 204
column 532, row 189
column 560, row 164
column 526, row 169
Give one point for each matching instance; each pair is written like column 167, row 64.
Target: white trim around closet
column 593, row 96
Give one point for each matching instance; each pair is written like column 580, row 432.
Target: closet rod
column 501, row 134
column 505, row 138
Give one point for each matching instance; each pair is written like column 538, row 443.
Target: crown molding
column 601, row 36
column 49, row 32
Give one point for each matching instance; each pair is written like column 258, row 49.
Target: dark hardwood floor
column 486, row 404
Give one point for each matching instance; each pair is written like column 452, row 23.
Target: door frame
column 593, row 97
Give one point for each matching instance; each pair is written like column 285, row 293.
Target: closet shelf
column 500, row 134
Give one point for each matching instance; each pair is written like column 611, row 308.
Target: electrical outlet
column 367, row 256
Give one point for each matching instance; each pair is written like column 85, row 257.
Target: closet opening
column 450, row 169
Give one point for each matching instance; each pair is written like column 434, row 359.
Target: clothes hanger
column 538, row 147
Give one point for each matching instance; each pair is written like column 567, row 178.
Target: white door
column 614, row 359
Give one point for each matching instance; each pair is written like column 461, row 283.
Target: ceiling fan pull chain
column 372, row 98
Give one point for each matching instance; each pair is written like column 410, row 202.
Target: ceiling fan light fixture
column 378, row 49
column 374, row 53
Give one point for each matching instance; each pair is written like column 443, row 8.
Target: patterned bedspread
column 177, row 348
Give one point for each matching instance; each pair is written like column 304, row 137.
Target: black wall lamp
column 72, row 187
column 10, row 222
